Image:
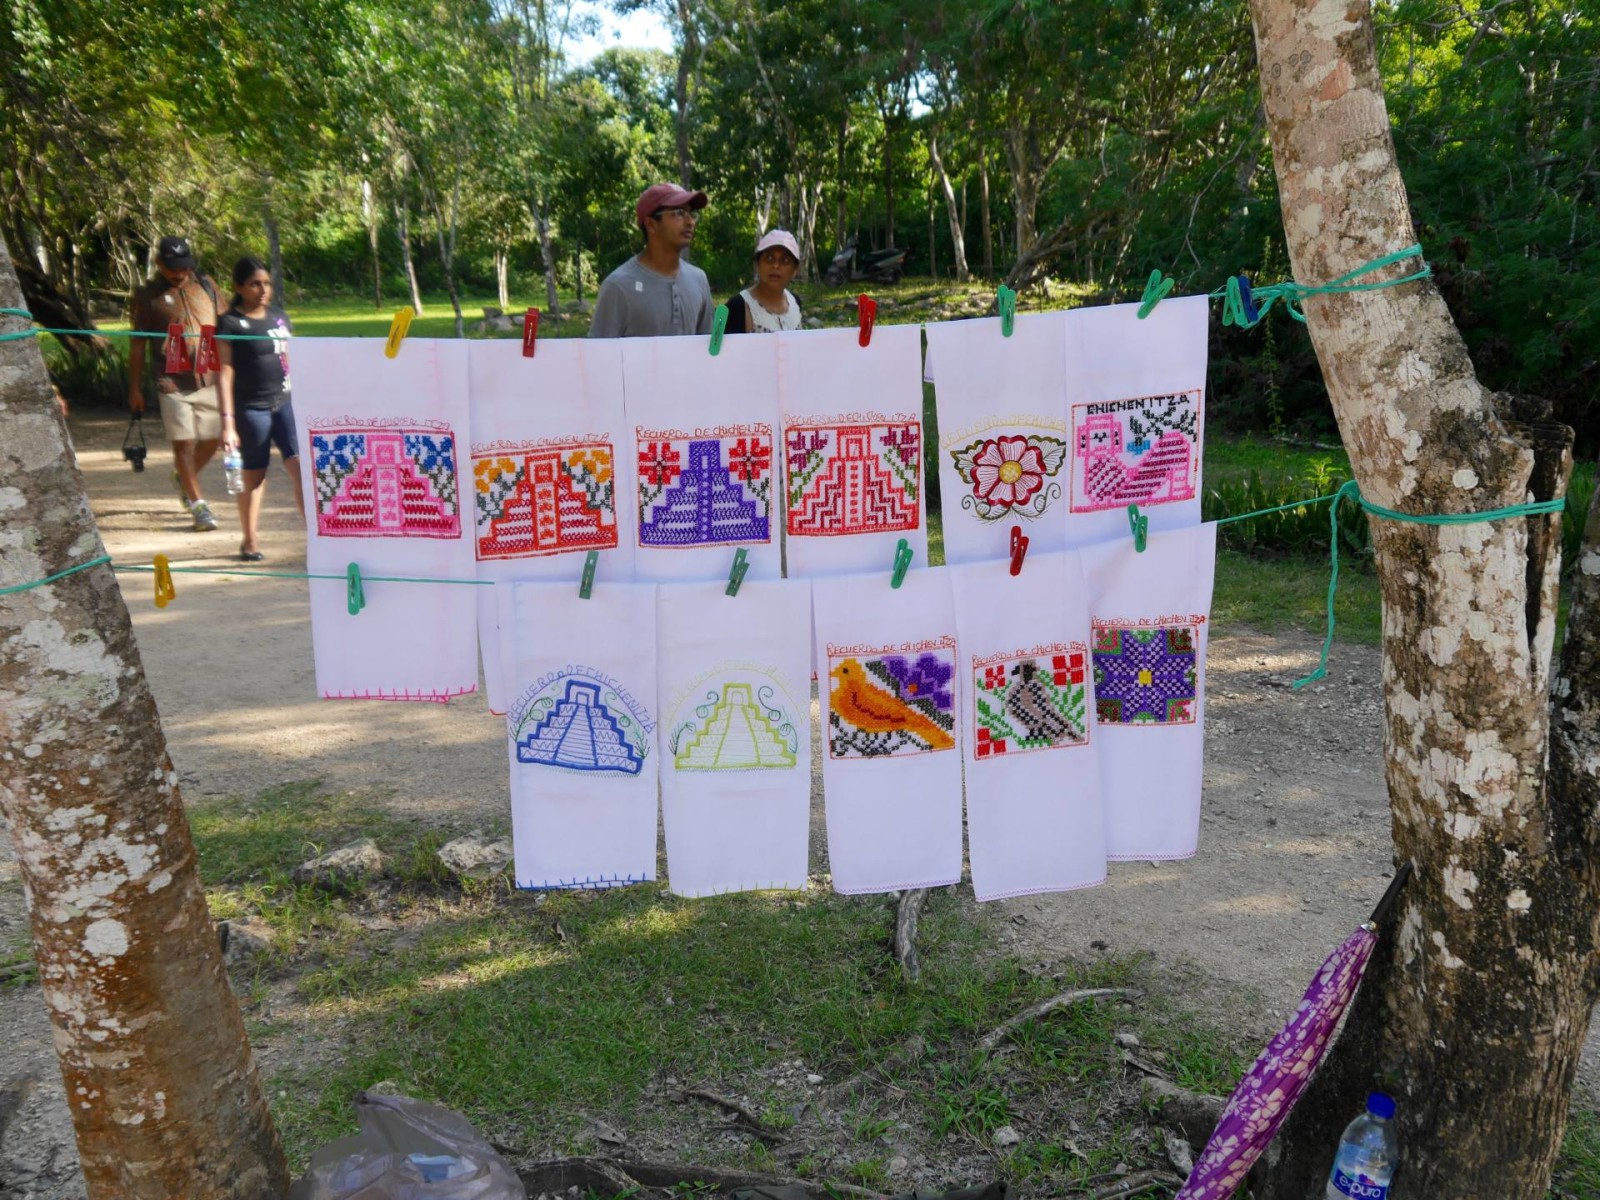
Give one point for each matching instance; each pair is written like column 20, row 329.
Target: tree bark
column 547, row 255
column 402, row 220
column 1476, row 1003
column 682, row 100
column 956, row 214
column 164, row 1094
column 502, row 269
column 369, row 210
column 274, row 251
column 988, row 229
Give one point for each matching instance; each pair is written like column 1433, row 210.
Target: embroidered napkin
column 735, row 687
column 1003, row 459
column 852, row 448
column 551, row 455
column 1034, row 815
column 382, row 440
column 1136, row 409
column 704, row 469
column 1148, row 645
column 581, row 734
column 886, row 670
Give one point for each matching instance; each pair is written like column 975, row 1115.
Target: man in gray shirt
column 656, row 293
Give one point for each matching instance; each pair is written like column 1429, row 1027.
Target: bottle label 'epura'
column 1357, row 1187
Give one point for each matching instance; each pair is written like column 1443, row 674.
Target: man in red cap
column 655, row 292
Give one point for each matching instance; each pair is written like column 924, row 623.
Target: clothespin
column 1252, row 313
column 398, row 328
column 719, row 326
column 1019, row 549
column 866, row 314
column 591, row 560
column 902, row 563
column 530, row 331
column 1006, row 301
column 740, row 566
column 1156, row 289
column 165, row 592
column 1239, row 307
column 177, row 353
column 1139, row 526
column 205, row 355
column 355, row 595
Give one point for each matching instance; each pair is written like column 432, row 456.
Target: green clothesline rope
column 83, row 566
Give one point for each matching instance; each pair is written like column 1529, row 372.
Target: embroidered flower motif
column 904, row 439
column 593, row 462
column 925, row 678
column 750, row 459
column 995, row 677
column 802, row 446
column 485, row 471
column 1008, row 474
column 659, row 463
column 988, row 745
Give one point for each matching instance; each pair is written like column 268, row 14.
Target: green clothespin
column 1139, row 526
column 719, row 326
column 1006, row 301
column 591, row 560
column 355, row 595
column 902, row 563
column 1156, row 289
column 1236, row 305
column 740, row 566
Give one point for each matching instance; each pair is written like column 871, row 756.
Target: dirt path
column 1294, row 842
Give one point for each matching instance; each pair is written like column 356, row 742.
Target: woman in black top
column 253, row 393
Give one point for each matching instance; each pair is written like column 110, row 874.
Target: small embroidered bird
column 869, row 707
column 1029, row 703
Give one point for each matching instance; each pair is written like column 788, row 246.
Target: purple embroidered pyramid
column 580, row 733
column 706, row 501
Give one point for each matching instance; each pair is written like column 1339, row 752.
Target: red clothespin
column 530, row 332
column 866, row 314
column 1019, row 549
column 205, row 355
column 177, row 353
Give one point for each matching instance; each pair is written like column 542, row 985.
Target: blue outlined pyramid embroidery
column 581, row 734
column 737, row 735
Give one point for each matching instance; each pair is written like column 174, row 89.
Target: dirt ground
column 1294, row 844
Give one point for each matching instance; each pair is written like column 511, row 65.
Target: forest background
column 382, row 152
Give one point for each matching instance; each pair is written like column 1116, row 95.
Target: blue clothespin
column 1239, row 306
column 591, row 560
column 740, row 566
column 1139, row 526
column 1247, row 301
column 902, row 563
column 1156, row 289
column 355, row 595
column 719, row 326
column 1006, row 301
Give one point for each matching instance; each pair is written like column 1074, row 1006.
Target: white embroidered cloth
column 1150, row 614
column 891, row 768
column 550, row 473
column 1136, row 408
column 735, row 689
column 1034, row 815
column 581, row 734
column 1003, row 453
column 382, row 442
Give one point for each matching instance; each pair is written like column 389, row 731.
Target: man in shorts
column 656, row 292
column 178, row 294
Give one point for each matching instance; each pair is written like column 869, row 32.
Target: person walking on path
column 767, row 305
column 253, row 389
column 655, row 292
column 178, row 294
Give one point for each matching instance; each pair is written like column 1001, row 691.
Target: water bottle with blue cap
column 1368, row 1154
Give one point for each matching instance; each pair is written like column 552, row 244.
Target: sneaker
column 183, row 497
column 204, row 522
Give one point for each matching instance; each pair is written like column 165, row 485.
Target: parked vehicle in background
column 878, row 266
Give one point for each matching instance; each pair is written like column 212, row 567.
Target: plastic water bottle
column 1368, row 1154
column 233, row 470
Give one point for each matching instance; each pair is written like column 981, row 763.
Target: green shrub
column 89, row 380
column 1301, row 530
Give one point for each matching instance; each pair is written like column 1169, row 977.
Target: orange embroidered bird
column 869, row 707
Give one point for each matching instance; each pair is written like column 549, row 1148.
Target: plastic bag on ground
column 408, row 1150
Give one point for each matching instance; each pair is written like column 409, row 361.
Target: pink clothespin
column 177, row 353
column 530, row 332
column 866, row 314
column 205, row 355
column 1019, row 549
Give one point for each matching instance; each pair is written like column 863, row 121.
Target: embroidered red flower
column 1007, row 471
column 989, row 745
column 994, row 678
column 750, row 459
column 659, row 463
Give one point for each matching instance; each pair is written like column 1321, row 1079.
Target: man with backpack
column 178, row 294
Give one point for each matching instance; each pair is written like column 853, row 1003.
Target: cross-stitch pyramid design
column 704, row 505
column 855, row 490
column 385, row 483
column 580, row 733
column 545, row 503
column 737, row 736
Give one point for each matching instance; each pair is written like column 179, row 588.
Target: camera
column 133, row 447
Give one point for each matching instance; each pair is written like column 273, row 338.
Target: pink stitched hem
column 768, row 886
column 1152, row 857
column 1038, row 891
column 896, row 887
column 406, row 694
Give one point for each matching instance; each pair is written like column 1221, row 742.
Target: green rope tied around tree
column 1292, row 293
column 1350, row 489
column 83, row 566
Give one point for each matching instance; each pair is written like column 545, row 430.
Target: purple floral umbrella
column 1271, row 1088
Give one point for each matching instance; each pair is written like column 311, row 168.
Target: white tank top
column 762, row 321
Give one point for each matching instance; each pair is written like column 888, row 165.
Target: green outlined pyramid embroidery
column 735, row 730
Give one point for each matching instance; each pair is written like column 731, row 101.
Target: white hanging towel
column 1003, row 454
column 705, row 471
column 735, row 687
column 886, row 670
column 852, row 449
column 551, row 455
column 1136, row 408
column 1034, row 812
column 581, row 734
column 1150, row 613
column 382, row 441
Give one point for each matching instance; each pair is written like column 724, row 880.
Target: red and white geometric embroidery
column 845, row 479
column 388, row 481
column 542, row 501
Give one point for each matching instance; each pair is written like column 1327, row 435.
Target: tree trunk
column 1476, row 1003
column 888, row 182
column 1024, row 190
column 502, row 267
column 402, row 222
column 958, row 216
column 165, row 1097
column 547, row 256
column 274, row 252
column 988, row 229
column 681, row 98
column 369, row 210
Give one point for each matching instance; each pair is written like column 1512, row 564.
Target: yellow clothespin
column 398, row 328
column 165, row 592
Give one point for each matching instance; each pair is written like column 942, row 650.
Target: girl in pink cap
column 767, row 305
